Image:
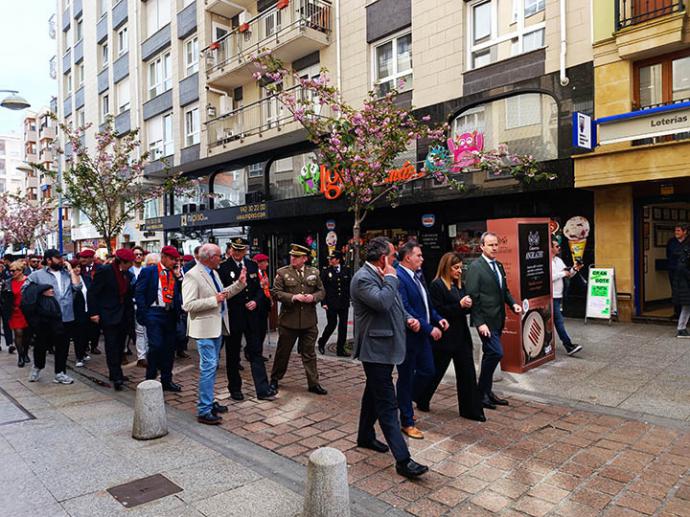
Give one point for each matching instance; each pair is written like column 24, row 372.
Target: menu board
column 601, row 293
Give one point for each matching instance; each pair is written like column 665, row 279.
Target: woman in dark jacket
column 450, row 301
column 681, row 292
column 82, row 322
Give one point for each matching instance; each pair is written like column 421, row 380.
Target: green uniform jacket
column 489, row 299
column 297, row 315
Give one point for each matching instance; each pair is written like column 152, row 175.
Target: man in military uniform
column 336, row 281
column 298, row 288
column 244, row 321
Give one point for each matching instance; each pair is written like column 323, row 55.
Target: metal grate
column 144, row 490
column 633, row 12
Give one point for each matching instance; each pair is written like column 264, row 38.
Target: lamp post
column 14, row 101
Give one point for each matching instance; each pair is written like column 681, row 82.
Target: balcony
column 47, row 133
column 31, row 157
column 290, row 32
column 46, row 155
column 646, row 28
column 257, row 122
column 227, row 8
column 30, row 135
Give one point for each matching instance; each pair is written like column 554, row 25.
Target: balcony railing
column 254, row 119
column 267, row 29
column 633, row 12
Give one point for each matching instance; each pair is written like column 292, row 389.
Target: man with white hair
column 203, row 299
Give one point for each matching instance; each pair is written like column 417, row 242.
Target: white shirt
column 491, row 263
column 136, row 270
column 58, row 279
column 558, row 268
column 414, row 279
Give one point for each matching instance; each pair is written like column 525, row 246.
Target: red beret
column 87, row 253
column 125, row 255
column 188, row 258
column 260, row 257
column 170, row 251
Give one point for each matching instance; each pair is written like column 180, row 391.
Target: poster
column 601, row 294
column 535, row 279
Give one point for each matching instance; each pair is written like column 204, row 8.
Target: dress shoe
column 410, row 468
column 374, row 445
column 342, row 354
column 322, row 348
column 218, row 408
column 142, row 363
column 183, row 355
column 269, row 396
column 236, row 395
column 274, row 385
column 487, row 404
column 171, row 386
column 318, row 389
column 476, row 418
column 413, row 432
column 95, row 351
column 209, row 419
column 497, row 401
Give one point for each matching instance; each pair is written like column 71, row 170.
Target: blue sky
column 25, row 50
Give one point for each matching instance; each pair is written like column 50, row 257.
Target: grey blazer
column 380, row 319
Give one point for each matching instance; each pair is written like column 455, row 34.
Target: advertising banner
column 601, row 294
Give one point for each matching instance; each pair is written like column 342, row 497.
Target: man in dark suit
column 244, row 321
column 266, row 304
column 380, row 321
column 111, row 306
column 88, row 271
column 486, row 284
column 417, row 370
column 336, row 280
column 159, row 302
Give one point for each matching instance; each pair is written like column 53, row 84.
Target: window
column 105, row 107
column 530, row 41
column 103, row 7
column 481, row 22
column 151, row 208
column 393, row 64
column 103, row 55
column 191, row 127
column 533, row 7
column 523, row 110
column 159, row 131
column 157, row 15
column 122, row 41
column 663, row 80
column 68, row 83
column 256, row 170
column 67, row 37
column 122, row 92
column 79, row 119
column 160, row 71
column 191, row 56
column 79, row 74
column 79, row 30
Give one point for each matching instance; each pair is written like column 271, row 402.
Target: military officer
column 298, row 288
column 244, row 321
column 336, row 280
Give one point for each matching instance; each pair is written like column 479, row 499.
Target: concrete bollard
column 327, row 493
column 150, row 420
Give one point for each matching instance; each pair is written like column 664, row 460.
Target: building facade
column 638, row 173
column 11, row 178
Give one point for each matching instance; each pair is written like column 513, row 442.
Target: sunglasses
column 15, row 270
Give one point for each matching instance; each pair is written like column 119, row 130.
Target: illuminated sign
column 331, row 183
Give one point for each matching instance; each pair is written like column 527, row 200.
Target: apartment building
column 39, row 147
column 638, row 173
column 11, row 178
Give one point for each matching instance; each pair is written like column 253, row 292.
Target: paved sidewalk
column 533, row 458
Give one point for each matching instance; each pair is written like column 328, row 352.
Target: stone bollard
column 149, row 412
column 327, row 493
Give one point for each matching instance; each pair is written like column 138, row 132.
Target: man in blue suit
column 418, row 367
column 158, row 301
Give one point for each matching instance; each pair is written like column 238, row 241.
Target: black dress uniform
column 243, row 322
column 336, row 281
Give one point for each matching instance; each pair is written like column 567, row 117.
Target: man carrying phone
column 559, row 271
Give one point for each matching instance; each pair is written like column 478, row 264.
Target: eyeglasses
column 15, row 270
column 138, row 254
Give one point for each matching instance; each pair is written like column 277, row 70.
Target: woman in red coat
column 18, row 322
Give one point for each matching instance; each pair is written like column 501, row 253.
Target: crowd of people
column 158, row 301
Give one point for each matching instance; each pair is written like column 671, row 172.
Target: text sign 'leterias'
column 649, row 123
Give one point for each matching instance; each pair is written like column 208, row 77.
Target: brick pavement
column 529, row 459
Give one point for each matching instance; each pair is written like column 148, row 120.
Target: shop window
column 393, row 64
column 194, row 199
column 284, row 176
column 663, row 80
column 527, row 123
column 229, row 188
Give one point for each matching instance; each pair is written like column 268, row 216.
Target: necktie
column 215, row 282
column 495, row 268
column 422, row 291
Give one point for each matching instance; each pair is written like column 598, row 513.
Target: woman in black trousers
column 450, row 301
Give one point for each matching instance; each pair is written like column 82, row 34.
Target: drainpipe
column 564, row 45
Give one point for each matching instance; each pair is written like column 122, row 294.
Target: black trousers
column 380, row 403
column 7, row 331
column 114, row 336
column 233, row 344
column 336, row 318
column 262, row 330
column 81, row 339
column 59, row 340
column 469, row 398
column 94, row 334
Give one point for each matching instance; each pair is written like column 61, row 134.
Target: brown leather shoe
column 413, row 432
column 141, row 363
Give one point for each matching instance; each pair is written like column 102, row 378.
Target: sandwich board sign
column 601, row 294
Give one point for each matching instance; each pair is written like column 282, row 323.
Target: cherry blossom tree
column 108, row 184
column 359, row 146
column 23, row 224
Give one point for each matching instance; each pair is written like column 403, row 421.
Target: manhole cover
column 12, row 411
column 144, row 490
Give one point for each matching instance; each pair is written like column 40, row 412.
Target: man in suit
column 111, row 306
column 380, row 322
column 207, row 321
column 266, row 303
column 336, row 280
column 244, row 321
column 417, row 370
column 298, row 288
column 158, row 300
column 486, row 284
column 139, row 330
column 86, row 258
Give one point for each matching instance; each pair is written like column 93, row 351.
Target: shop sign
column 601, row 293
column 582, row 131
column 331, row 183
column 460, row 153
column 428, row 220
column 253, row 212
column 649, row 123
column 330, row 225
column 192, row 219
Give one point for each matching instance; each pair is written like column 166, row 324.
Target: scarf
column 121, row 281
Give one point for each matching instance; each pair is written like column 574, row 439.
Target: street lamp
column 14, row 101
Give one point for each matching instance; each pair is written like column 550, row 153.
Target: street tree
column 22, row 222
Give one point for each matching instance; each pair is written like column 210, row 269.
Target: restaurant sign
column 647, row 123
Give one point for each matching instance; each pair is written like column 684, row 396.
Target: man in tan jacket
column 203, row 299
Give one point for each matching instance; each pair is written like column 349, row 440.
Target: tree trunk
column 108, row 243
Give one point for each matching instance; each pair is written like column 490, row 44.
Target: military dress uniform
column 336, row 281
column 297, row 320
column 243, row 322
